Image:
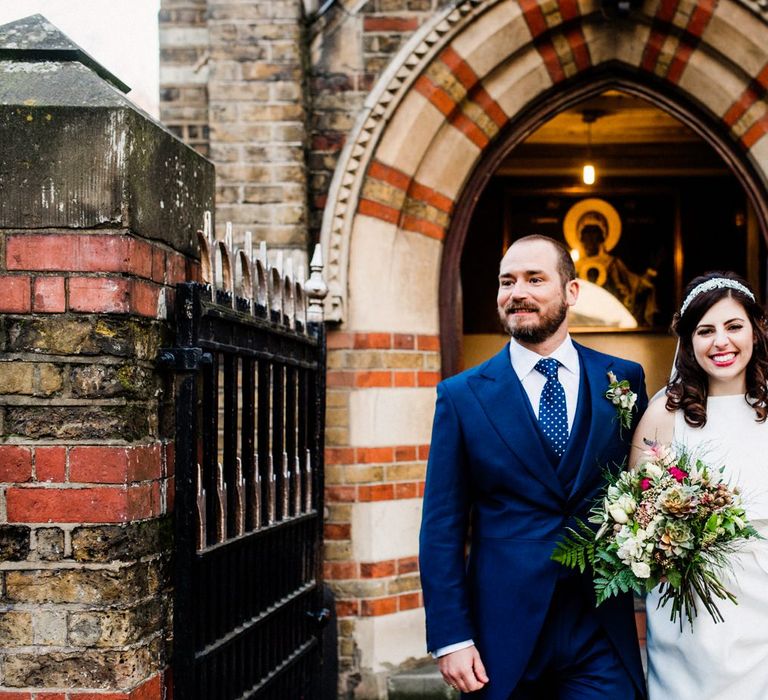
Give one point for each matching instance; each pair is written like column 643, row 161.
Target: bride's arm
column 657, row 424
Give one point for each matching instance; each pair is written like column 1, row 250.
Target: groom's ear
column 571, row 291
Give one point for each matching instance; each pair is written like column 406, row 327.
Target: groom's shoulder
column 608, row 360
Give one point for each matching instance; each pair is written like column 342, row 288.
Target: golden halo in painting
column 592, row 210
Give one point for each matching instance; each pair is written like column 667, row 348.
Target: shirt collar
column 524, row 360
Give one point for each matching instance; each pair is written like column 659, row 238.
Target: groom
column 518, row 447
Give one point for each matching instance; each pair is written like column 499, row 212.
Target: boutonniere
column 622, row 397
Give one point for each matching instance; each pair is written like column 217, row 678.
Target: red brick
column 155, row 499
column 140, row 258
column 78, row 253
column 409, row 601
column 14, row 294
column 140, row 498
column 340, row 494
column 438, row 97
column 404, row 341
column 392, row 176
column 98, row 465
column 15, row 464
column 428, row 342
column 431, row 197
column 373, row 379
column 169, row 459
column 14, row 695
column 381, row 341
column 101, row 696
column 378, row 606
column 144, row 463
column 347, row 608
column 428, row 378
column 377, row 569
column 340, row 570
column 401, row 379
column 99, row 294
column 51, row 464
column 151, row 690
column 338, row 340
column 340, row 378
column 407, row 565
column 390, row 24
column 377, row 492
column 158, row 265
column 369, row 455
column 422, row 484
column 407, row 490
column 177, row 269
column 427, row 228
column 405, row 453
column 423, row 452
column 144, row 298
column 50, row 696
column 339, row 455
column 89, row 505
column 376, row 210
column 337, row 531
column 170, row 494
column 48, row 295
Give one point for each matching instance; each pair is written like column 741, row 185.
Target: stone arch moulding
column 475, row 81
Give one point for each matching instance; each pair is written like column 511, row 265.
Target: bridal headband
column 714, row 283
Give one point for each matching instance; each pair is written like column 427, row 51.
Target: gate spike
column 308, row 485
column 256, row 493
column 296, row 485
column 271, row 491
column 239, row 498
column 286, row 494
column 221, row 493
column 201, row 528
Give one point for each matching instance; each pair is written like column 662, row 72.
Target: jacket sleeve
column 442, row 541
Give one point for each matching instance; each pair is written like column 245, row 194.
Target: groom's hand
column 463, row 669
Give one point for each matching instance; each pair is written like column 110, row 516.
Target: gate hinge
column 183, row 359
column 320, row 617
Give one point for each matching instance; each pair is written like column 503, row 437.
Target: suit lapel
column 601, row 427
column 504, row 402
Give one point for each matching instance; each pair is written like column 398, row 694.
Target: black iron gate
column 249, row 474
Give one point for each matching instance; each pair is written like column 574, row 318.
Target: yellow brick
column 338, row 512
column 50, row 379
column 337, row 550
column 337, row 417
column 404, row 584
column 363, row 473
column 336, row 437
column 406, row 471
column 16, row 377
column 334, row 474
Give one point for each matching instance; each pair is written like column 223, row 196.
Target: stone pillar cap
column 34, row 38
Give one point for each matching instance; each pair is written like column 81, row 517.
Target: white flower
column 626, row 502
column 641, row 569
column 618, row 514
column 653, row 471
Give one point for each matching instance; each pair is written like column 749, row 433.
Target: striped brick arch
column 462, row 93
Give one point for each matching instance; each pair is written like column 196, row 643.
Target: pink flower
column 645, row 484
column 678, row 474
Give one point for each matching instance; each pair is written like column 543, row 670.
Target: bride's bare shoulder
column 657, row 423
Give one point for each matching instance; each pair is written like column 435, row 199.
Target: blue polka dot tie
column 553, row 417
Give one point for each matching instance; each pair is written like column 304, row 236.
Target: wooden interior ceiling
column 629, row 137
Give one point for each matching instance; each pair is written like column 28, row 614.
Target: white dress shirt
column 569, row 373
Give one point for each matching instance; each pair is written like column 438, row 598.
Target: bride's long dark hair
column 688, row 388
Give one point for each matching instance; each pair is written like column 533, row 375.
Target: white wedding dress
column 727, row 660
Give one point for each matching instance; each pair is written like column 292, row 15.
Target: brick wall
column 86, row 473
column 92, row 242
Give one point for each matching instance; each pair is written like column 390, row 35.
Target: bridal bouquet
column 672, row 520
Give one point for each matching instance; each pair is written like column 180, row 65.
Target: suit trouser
column 574, row 659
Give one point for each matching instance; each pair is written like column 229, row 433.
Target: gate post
column 98, row 211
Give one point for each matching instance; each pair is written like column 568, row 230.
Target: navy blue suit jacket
column 489, row 469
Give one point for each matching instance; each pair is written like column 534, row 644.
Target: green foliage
column 577, row 549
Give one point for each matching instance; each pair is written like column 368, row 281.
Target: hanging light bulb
column 588, row 172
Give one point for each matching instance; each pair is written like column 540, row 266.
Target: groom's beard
column 537, row 331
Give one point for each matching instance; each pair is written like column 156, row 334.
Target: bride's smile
column 723, row 342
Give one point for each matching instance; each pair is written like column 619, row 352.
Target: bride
column 717, row 401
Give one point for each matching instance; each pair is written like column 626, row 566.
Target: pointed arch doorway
column 702, row 162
